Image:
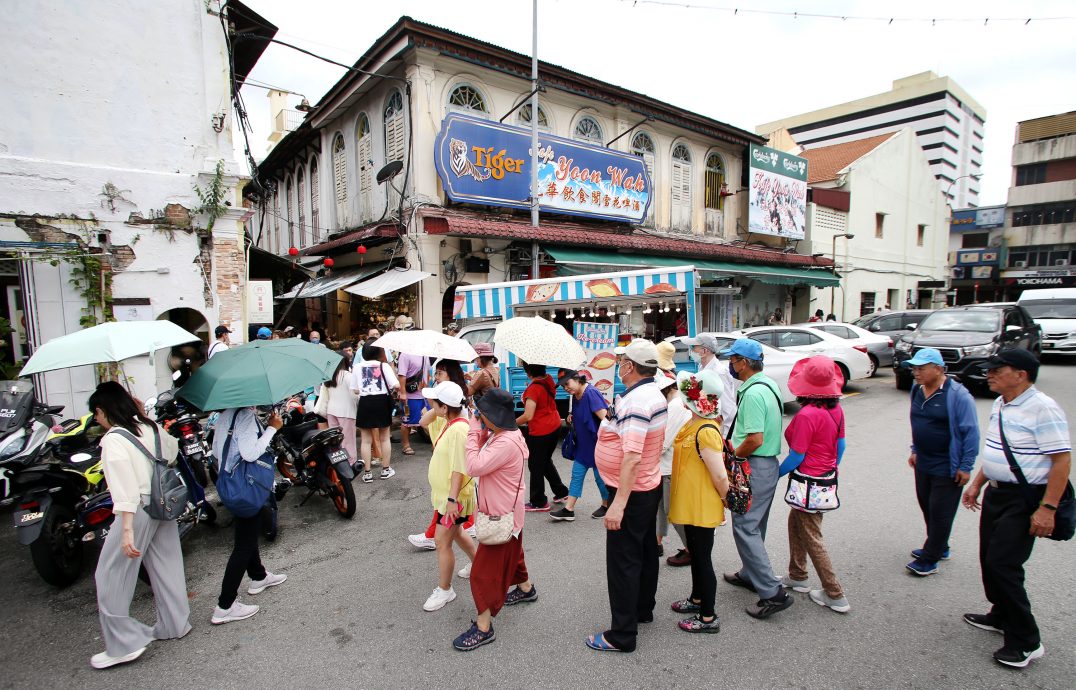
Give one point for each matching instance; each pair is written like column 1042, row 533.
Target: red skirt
column 495, row 570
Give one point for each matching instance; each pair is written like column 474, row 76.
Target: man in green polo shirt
column 756, row 434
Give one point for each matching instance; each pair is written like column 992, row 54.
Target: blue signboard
column 482, row 162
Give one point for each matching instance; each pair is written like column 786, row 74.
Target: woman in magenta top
column 815, row 439
column 543, row 432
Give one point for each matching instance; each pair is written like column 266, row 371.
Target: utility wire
column 842, row 17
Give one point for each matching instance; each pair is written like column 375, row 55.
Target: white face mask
column 695, row 356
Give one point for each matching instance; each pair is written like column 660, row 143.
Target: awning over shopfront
column 573, row 261
column 389, row 281
column 337, row 280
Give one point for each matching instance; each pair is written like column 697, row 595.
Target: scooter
column 315, row 459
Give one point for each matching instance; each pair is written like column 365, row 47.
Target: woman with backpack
column 240, row 437
column 135, row 538
column 373, row 380
column 697, row 492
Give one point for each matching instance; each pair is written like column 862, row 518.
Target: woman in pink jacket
column 497, row 456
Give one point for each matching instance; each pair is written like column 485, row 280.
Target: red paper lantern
column 328, row 263
column 293, row 252
column 361, row 249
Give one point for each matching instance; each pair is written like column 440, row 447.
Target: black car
column 967, row 336
column 892, row 323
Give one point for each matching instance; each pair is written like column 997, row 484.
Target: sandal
column 408, row 451
column 600, row 644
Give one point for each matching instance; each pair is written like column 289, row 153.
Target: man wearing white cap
column 704, row 349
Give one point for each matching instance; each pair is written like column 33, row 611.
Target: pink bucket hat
column 483, row 350
column 816, row 377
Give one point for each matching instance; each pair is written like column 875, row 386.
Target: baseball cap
column 264, row 333
column 446, row 392
column 221, row 330
column 703, row 340
column 1017, row 358
column 927, row 355
column 640, row 351
column 743, row 347
column 566, row 375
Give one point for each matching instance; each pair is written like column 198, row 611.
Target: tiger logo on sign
column 460, row 165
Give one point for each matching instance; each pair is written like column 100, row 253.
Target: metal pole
column 534, row 138
column 833, row 290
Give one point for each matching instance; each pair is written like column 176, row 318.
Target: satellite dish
column 389, row 171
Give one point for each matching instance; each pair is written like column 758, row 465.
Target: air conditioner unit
column 958, row 272
column 1019, row 264
column 1061, row 262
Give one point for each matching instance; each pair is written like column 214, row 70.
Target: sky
column 744, row 69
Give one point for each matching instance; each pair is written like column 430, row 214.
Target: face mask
column 732, row 370
column 315, row 341
column 695, row 356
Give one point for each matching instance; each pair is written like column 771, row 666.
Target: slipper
column 408, row 451
column 599, row 643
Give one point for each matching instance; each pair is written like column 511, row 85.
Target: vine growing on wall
column 212, row 197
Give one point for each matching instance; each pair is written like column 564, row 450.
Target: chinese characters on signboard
column 777, row 197
column 260, row 301
column 489, row 163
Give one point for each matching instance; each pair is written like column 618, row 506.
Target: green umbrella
column 263, row 372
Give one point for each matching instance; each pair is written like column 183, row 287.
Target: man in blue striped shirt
column 1028, row 425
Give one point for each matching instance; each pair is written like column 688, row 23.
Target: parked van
column 1055, row 310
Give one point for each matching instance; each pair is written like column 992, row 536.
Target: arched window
column 643, row 146
column 340, row 176
column 715, row 180
column 525, row 117
column 588, row 129
column 365, row 154
column 466, row 98
column 300, row 193
column 289, row 201
column 270, row 212
column 680, row 186
column 315, row 200
column 395, row 141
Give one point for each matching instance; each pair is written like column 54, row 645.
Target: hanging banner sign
column 489, row 163
column 777, row 197
column 598, row 341
column 259, row 301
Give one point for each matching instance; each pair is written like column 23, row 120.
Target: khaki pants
column 805, row 539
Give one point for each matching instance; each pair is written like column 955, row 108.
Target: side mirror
column 1010, row 328
column 911, row 327
column 150, row 403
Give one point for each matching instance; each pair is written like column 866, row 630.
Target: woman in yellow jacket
column 699, row 485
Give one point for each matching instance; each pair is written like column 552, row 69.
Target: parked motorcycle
column 315, row 459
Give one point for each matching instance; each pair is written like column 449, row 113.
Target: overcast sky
column 742, row 69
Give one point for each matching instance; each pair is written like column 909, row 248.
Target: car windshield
column 864, row 321
column 980, row 321
column 1050, row 308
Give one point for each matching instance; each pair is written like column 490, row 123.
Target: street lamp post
column 833, row 290
column 949, row 189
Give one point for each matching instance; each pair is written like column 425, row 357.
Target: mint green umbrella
column 114, row 341
column 263, row 372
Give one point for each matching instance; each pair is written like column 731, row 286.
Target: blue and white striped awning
column 501, row 299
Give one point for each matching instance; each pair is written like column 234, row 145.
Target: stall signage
column 598, row 341
column 489, row 163
column 777, row 196
column 260, row 301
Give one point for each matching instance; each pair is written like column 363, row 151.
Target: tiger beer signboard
column 777, row 196
column 489, row 163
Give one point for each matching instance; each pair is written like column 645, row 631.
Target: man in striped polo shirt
column 1036, row 433
column 628, row 456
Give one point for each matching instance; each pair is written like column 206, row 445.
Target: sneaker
column 239, row 611
column 685, row 606
column 795, row 585
column 517, row 596
column 473, row 638
column 696, row 624
column 1017, row 658
column 661, row 550
column 922, row 568
column 421, row 541
column 376, row 462
column 600, row 512
column 735, row 580
column 562, row 514
column 531, row 508
column 270, row 580
column 561, row 500
column 822, row 599
column 388, row 473
column 767, row 607
column 103, row 660
column 439, row 598
column 917, row 554
column 982, row 622
column 367, row 477
column 465, row 571
column 679, row 559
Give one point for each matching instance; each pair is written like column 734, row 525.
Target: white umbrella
column 537, row 341
column 114, row 341
column 427, row 344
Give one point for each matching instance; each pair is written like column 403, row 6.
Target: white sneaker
column 439, row 598
column 465, row 571
column 822, row 599
column 421, row 541
column 238, row 612
column 103, row 660
column 271, row 580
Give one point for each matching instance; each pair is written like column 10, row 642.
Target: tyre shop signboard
column 489, row 163
column 777, row 196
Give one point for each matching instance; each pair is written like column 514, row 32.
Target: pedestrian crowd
column 691, row 449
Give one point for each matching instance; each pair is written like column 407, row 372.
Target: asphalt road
column 350, row 613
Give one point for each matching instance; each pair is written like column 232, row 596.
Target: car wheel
column 873, row 368
column 845, row 374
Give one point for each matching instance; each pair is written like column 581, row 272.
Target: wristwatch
column 1048, row 506
column 452, row 500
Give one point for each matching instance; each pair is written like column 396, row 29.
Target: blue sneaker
column 917, row 554
column 922, row 568
column 473, row 638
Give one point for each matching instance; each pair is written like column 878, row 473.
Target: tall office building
column 947, row 122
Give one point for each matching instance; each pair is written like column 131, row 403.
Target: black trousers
column 939, row 499
column 631, row 565
column 700, row 542
column 540, row 462
column 1004, row 547
column 244, row 559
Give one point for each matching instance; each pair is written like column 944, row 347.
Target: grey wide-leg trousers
column 117, row 576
